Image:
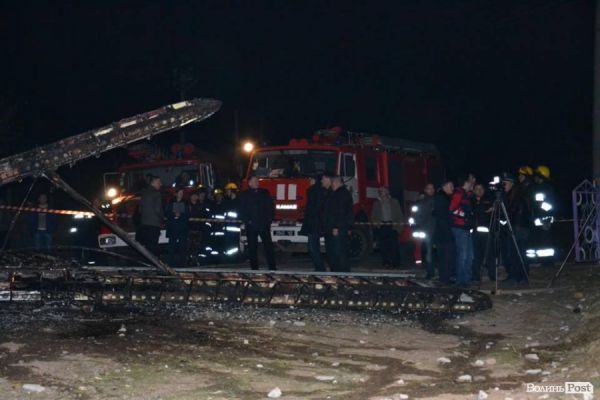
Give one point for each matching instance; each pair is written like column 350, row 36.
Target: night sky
column 494, row 84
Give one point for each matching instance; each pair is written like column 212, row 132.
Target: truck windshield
column 172, row 176
column 293, row 163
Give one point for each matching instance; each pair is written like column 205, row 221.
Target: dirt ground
column 245, row 353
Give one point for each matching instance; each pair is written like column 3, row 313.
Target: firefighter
column 387, row 216
column 423, row 223
column 482, row 211
column 232, row 225
column 524, row 175
column 311, row 226
column 200, row 208
column 519, row 213
column 177, row 213
column 257, row 212
column 442, row 237
column 543, row 205
column 337, row 220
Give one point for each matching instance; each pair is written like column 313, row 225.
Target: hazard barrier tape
column 89, row 214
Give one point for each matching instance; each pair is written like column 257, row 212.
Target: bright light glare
column 73, row 230
column 538, row 222
column 484, row 229
column 545, row 253
column 540, row 197
column 112, row 192
column 411, row 221
column 546, row 206
column 419, row 235
column 248, row 147
column 414, row 209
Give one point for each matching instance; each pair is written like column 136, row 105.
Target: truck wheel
column 361, row 243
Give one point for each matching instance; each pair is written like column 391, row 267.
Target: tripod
column 500, row 224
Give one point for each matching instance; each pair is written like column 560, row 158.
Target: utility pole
column 596, row 123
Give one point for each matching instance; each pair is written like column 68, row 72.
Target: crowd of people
column 466, row 226
column 462, row 227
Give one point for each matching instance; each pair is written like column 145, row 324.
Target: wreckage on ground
column 41, row 278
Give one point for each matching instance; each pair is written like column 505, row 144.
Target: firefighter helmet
column 525, row 170
column 231, row 186
column 543, row 171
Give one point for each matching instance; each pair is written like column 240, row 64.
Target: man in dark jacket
column 442, row 237
column 151, row 213
column 177, row 213
column 337, row 219
column 311, row 227
column 519, row 213
column 482, row 211
column 43, row 225
column 424, row 222
column 257, row 212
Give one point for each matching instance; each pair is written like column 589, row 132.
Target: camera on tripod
column 495, row 186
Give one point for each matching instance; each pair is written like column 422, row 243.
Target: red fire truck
column 187, row 170
column 364, row 161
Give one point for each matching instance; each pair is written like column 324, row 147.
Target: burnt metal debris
column 145, row 288
column 46, row 279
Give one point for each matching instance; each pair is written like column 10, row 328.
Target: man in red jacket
column 461, row 208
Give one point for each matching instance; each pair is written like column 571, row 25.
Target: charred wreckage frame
column 49, row 280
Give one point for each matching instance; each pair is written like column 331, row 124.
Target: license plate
column 283, row 233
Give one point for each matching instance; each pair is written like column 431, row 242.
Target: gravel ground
column 536, row 335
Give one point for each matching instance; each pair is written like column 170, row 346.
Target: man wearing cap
column 519, row 214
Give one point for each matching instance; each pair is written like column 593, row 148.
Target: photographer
column 519, row 214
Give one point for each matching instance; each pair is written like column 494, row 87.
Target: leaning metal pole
column 137, row 246
column 45, row 160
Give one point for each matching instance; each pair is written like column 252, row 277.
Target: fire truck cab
column 365, row 162
column 122, row 191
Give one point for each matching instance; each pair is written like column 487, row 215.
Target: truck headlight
column 112, row 192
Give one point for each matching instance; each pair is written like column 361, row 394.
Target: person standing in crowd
column 257, row 212
column 151, row 214
column 442, row 236
column 388, row 217
column 482, row 212
column 425, row 223
column 337, row 220
column 311, row 227
column 461, row 208
column 519, row 213
column 43, row 225
column 199, row 208
column 231, row 197
column 177, row 213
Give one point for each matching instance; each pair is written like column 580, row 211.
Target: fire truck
column 185, row 169
column 364, row 161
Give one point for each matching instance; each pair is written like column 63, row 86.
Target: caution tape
column 48, row 211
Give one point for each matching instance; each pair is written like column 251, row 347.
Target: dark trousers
column 43, row 240
column 427, row 255
column 388, row 246
column 265, row 237
column 337, row 252
column 516, row 270
column 178, row 247
column 480, row 241
column 446, row 260
column 314, row 249
column 148, row 236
